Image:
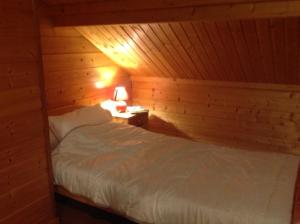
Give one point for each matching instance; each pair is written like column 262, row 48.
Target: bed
column 153, row 178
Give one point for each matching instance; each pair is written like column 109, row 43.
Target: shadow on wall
column 156, row 124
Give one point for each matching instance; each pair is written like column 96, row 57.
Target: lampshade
column 120, row 93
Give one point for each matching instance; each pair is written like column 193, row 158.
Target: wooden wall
column 248, row 51
column 25, row 186
column 72, row 67
column 261, row 50
column 243, row 115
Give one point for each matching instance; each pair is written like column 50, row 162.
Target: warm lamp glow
column 107, row 73
column 122, row 53
column 105, row 76
column 124, row 50
column 120, row 94
column 99, row 85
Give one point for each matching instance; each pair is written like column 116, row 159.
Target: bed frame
column 64, row 192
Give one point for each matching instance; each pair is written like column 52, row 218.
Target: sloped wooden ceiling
column 262, row 50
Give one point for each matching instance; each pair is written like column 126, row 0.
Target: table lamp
column 120, row 96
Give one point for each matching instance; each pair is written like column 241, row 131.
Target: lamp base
column 121, row 109
column 121, row 106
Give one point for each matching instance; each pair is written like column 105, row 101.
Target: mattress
column 153, row 178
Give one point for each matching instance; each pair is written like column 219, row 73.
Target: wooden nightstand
column 139, row 119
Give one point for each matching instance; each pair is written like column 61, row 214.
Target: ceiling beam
column 94, row 6
column 136, row 11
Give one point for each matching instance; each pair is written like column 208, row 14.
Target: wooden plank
column 36, row 212
column 22, row 196
column 240, row 50
column 277, row 40
column 122, row 49
column 238, row 103
column 83, row 76
column 265, row 44
column 144, row 65
column 186, row 44
column 185, row 71
column 47, row 30
column 252, row 46
column 73, row 66
column 21, row 108
column 209, row 50
column 93, row 34
column 22, row 173
column 94, row 6
column 18, row 95
column 213, row 38
column 226, row 37
column 71, row 93
column 240, row 44
column 168, row 58
column 58, row 45
column 16, row 24
column 12, row 155
column 14, row 128
column 173, row 39
column 23, row 156
column 243, row 85
column 62, row 62
column 291, row 48
column 18, row 49
column 145, row 45
column 93, row 14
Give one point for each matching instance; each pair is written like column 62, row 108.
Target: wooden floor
column 72, row 212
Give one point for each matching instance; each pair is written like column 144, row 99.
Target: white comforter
column 153, row 178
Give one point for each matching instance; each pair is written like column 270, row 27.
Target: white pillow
column 63, row 124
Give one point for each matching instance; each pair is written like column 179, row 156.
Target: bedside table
column 139, row 119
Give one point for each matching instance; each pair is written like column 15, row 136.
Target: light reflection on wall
column 121, row 53
column 105, row 76
column 121, row 49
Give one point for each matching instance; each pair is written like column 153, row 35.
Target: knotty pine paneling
column 57, row 2
column 25, row 183
column 258, row 50
column 135, row 4
column 72, row 66
column 86, row 13
column 29, row 213
column 243, row 115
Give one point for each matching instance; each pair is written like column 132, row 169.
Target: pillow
column 53, row 139
column 63, row 124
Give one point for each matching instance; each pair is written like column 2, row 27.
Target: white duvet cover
column 153, row 178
